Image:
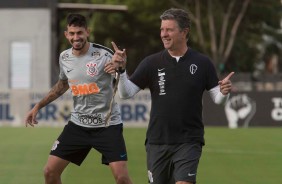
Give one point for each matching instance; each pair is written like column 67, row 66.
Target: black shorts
column 171, row 163
column 75, row 142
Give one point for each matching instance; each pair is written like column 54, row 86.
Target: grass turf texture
column 247, row 156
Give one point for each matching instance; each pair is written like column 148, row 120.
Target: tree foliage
column 230, row 32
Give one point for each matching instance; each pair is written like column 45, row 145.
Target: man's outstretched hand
column 225, row 84
column 30, row 119
column 118, row 60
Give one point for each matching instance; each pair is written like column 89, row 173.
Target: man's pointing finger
column 114, row 46
column 229, row 76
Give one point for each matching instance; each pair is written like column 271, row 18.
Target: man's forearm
column 126, row 88
column 57, row 90
column 217, row 96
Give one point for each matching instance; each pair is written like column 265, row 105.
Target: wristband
column 121, row 70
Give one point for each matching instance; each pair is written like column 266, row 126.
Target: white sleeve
column 126, row 88
column 217, row 96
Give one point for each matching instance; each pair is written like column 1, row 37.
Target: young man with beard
column 82, row 70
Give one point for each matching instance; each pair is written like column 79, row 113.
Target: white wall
column 26, row 25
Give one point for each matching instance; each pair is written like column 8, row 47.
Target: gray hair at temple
column 179, row 15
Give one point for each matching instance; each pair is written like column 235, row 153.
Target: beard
column 78, row 46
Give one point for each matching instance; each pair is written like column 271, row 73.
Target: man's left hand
column 225, row 84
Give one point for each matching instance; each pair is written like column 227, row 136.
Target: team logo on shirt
column 55, row 145
column 65, row 56
column 92, row 69
column 193, row 69
column 95, row 54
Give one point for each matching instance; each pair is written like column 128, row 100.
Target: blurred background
column 242, row 36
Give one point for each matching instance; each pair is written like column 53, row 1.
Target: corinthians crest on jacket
column 92, row 69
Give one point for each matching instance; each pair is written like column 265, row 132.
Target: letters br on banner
column 243, row 109
column 14, row 106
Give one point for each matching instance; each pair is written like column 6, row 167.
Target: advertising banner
column 14, row 106
column 243, row 109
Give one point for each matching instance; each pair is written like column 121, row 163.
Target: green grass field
column 245, row 156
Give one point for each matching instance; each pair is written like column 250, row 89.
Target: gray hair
column 179, row 15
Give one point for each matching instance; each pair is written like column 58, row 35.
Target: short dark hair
column 75, row 19
column 179, row 15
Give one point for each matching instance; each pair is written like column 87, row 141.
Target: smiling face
column 77, row 36
column 174, row 38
